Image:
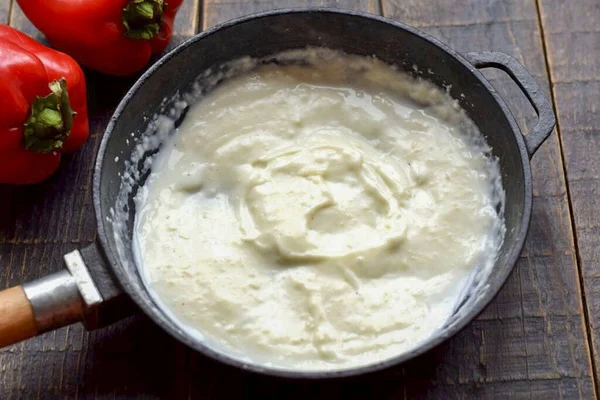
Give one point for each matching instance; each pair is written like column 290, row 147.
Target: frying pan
column 102, row 284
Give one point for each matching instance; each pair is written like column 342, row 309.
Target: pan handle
column 518, row 73
column 17, row 321
column 83, row 292
column 48, row 303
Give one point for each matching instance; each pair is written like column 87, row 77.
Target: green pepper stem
column 50, row 120
column 142, row 19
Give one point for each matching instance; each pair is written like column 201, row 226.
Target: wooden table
column 540, row 338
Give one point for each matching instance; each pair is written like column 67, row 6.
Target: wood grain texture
column 535, row 329
column 4, row 11
column 572, row 36
column 186, row 22
column 217, row 11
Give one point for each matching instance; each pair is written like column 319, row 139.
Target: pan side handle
column 518, row 73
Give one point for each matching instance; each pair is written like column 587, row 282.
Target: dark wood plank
column 535, row 328
column 186, row 22
column 572, row 36
column 41, row 223
column 4, row 10
column 217, row 11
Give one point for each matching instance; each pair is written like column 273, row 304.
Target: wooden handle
column 16, row 316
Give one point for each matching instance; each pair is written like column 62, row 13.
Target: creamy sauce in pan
column 319, row 216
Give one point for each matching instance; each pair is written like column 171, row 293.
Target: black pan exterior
column 267, row 33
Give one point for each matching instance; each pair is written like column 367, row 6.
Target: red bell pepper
column 116, row 37
column 43, row 107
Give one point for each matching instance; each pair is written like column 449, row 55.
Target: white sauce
column 318, row 217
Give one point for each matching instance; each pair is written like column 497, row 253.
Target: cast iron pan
column 99, row 282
